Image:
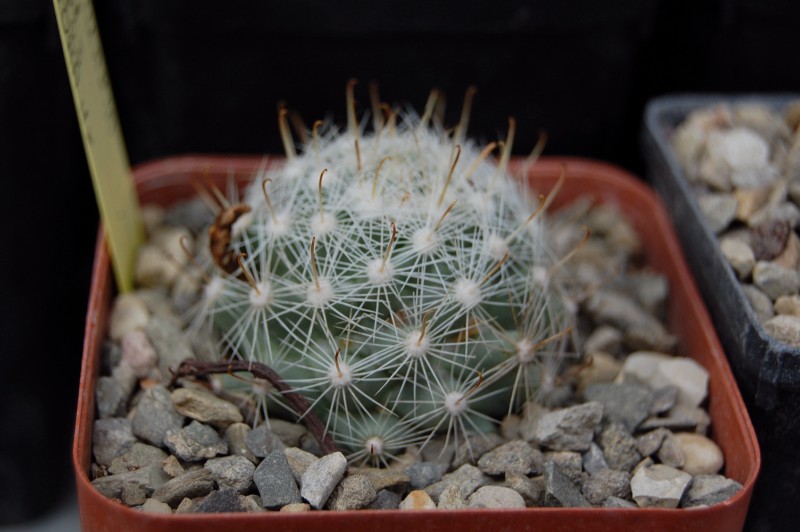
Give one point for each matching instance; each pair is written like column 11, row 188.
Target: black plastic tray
column 768, row 371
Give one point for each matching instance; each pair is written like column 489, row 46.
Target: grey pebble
column 172, row 346
column 126, row 378
column 559, row 490
column 205, row 407
column 627, row 403
column 594, row 460
column 262, row 442
column 220, row 501
column 467, row 478
column 614, row 308
column 235, row 472
column 664, row 399
column 148, row 478
column 110, row 397
column 474, row 446
column 570, row 464
column 289, row 433
column 607, row 483
column 649, row 443
column 775, row 280
column 321, row 477
column 513, row 457
column 761, row 303
column 111, row 438
column 495, row 497
column 138, row 456
column 719, row 210
column 436, row 451
column 310, row 444
column 616, row 502
column 192, row 214
column 133, row 494
column 569, row 429
column 649, row 336
column 619, row 447
column 451, row 499
column 423, row 474
column 196, row 483
column 706, row 490
column 531, row 489
column 194, row 442
column 155, row 415
column 650, row 289
column 110, row 355
column 275, row 482
column 158, row 304
column 353, row 493
column 385, row 500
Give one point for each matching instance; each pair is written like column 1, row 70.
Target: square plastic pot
column 168, row 180
column 767, row 370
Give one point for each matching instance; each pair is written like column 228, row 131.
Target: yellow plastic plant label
column 102, row 136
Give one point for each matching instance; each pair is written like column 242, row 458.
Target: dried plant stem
column 196, row 368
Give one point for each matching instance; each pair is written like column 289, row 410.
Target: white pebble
column 687, row 375
column 659, row 370
column 156, row 507
column 154, row 268
column 129, row 313
column 701, row 455
column 659, row 486
column 495, row 497
column 739, row 255
column 153, row 217
column 321, row 477
column 138, row 353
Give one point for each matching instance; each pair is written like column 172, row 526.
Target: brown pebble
column 768, row 239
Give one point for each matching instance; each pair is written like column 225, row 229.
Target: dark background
column 206, row 77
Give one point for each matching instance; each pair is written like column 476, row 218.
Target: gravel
column 584, row 448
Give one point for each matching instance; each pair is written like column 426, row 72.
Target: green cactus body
column 400, row 290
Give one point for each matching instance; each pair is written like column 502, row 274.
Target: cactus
column 398, row 278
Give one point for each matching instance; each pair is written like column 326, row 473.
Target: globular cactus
column 399, row 279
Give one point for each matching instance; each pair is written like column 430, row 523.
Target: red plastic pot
column 168, row 180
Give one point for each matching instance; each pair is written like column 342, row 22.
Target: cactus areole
column 391, row 275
